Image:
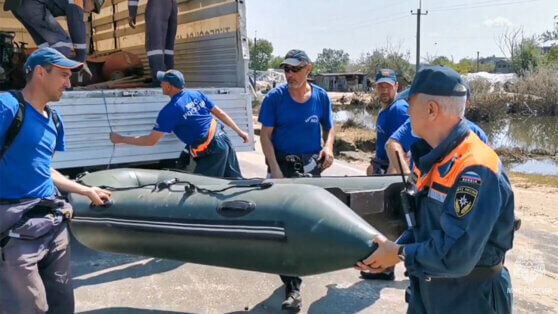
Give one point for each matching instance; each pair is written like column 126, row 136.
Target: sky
column 456, row 28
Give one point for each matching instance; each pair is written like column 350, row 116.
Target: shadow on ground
column 128, row 310
column 90, row 267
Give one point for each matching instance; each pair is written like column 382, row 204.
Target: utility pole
column 418, row 14
column 478, row 60
column 255, row 56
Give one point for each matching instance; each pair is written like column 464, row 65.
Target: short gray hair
column 29, row 75
column 453, row 105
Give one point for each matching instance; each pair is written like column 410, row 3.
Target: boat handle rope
column 189, row 187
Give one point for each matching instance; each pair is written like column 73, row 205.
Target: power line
column 485, row 5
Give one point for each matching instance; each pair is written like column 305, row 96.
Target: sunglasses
column 294, row 69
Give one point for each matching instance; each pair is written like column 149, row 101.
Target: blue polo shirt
column 188, row 115
column 389, row 120
column 25, row 168
column 404, row 135
column 296, row 126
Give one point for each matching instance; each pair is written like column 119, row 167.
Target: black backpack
column 17, row 122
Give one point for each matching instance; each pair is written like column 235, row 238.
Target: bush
column 486, row 104
column 539, row 90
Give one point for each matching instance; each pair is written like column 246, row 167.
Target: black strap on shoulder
column 16, row 124
column 52, row 113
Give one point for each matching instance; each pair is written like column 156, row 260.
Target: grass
column 529, row 180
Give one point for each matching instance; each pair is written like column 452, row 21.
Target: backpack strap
column 52, row 113
column 16, row 125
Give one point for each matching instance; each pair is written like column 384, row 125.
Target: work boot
column 293, row 301
column 388, row 275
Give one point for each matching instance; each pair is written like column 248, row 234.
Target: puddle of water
column 547, row 167
column 527, row 133
column 361, row 117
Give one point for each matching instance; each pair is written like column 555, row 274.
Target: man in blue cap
column 295, row 117
column 189, row 115
column 464, row 222
column 38, row 17
column 34, row 240
column 400, row 141
column 393, row 114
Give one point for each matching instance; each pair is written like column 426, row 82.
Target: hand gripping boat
column 282, row 226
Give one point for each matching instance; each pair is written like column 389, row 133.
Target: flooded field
column 533, row 135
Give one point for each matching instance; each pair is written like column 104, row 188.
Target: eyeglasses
column 294, row 69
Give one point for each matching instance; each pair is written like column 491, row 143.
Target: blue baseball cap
column 295, row 57
column 173, row 77
column 386, row 76
column 52, row 56
column 438, row 80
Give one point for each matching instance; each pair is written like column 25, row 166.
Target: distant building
column 342, row 82
column 501, row 64
column 548, row 45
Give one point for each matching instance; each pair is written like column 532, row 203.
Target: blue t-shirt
column 296, row 126
column 404, row 135
column 188, row 115
column 25, row 168
column 389, row 120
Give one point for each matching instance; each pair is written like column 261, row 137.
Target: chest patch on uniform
column 465, row 199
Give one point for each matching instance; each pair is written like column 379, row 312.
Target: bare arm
column 226, row 119
column 393, row 148
column 95, row 194
column 269, row 152
column 326, row 155
column 148, row 140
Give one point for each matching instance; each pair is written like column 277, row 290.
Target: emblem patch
column 465, row 199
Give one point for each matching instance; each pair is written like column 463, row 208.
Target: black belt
column 479, row 274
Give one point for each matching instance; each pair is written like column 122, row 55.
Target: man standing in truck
column 160, row 32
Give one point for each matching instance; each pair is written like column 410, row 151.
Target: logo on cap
column 460, row 88
column 385, row 73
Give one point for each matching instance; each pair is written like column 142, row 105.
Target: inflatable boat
column 297, row 227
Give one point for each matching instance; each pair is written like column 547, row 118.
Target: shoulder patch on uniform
column 470, row 177
column 465, row 199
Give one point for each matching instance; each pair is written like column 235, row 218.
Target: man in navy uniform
column 295, row 117
column 160, row 32
column 454, row 253
column 35, row 272
column 38, row 17
column 189, row 115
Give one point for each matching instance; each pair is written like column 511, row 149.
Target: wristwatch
column 400, row 253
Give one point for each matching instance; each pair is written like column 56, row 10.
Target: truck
column 211, row 50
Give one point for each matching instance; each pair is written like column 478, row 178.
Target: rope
column 188, row 186
column 110, row 128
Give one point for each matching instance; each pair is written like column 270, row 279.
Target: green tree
column 388, row 58
column 551, row 57
column 275, row 63
column 441, row 61
column 260, row 54
column 552, row 34
column 331, row 60
column 528, row 56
